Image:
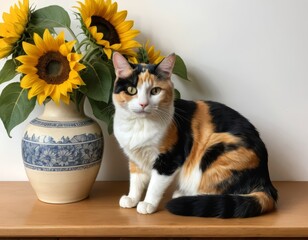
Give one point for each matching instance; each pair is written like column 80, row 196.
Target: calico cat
column 217, row 154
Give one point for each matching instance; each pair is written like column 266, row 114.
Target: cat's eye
column 155, row 90
column 131, row 90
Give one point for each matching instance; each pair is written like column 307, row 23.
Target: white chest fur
column 140, row 139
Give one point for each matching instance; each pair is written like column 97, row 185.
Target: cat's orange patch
column 145, row 76
column 133, row 168
column 204, row 138
column 170, row 139
column 122, row 98
column 267, row 203
column 202, row 129
column 227, row 138
column 167, row 92
column 166, row 85
column 220, row 170
column 211, row 178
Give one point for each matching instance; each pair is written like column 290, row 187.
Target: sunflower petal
column 28, row 81
column 116, row 47
column 26, row 69
column 129, row 35
column 61, row 39
column 37, row 88
column 65, row 99
column 124, row 26
column 74, row 57
column 108, row 52
column 41, row 98
column 50, row 41
column 118, row 18
column 77, row 66
column 130, row 44
column 108, row 11
column 31, row 49
column 26, row 59
column 5, row 49
column 66, row 48
column 63, row 89
column 40, row 77
column 76, row 81
column 56, row 95
column 68, row 86
column 49, row 89
column 39, row 43
column 154, row 56
column 13, row 27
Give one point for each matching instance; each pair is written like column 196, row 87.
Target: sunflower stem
column 83, row 42
column 90, row 54
column 75, row 37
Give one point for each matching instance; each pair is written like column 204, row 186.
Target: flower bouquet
column 51, row 67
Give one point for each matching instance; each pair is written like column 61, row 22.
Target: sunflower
column 50, row 68
column 108, row 27
column 13, row 27
column 154, row 57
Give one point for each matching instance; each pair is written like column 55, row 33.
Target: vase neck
column 62, row 112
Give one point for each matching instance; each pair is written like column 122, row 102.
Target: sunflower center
column 53, row 68
column 105, row 27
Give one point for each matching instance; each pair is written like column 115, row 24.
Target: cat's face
column 143, row 90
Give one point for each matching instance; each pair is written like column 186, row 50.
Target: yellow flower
column 13, row 26
column 154, row 57
column 50, row 68
column 108, row 27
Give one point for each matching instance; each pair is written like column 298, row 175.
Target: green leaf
column 98, row 80
column 50, row 17
column 142, row 56
column 177, row 94
column 103, row 111
column 110, row 127
column 180, row 68
column 8, row 71
column 14, row 106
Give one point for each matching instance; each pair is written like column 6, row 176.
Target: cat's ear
column 121, row 66
column 165, row 67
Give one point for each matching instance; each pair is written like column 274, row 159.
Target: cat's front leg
column 158, row 185
column 138, row 182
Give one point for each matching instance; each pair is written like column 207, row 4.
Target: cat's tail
column 222, row 206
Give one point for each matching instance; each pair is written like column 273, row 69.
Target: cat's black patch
column 226, row 119
column 222, row 206
column 150, row 67
column 243, row 181
column 168, row 163
column 123, row 83
column 214, row 152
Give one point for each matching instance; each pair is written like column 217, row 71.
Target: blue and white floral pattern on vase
column 62, row 152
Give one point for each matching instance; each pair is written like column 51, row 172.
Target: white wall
column 251, row 55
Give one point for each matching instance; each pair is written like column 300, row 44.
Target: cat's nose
column 143, row 105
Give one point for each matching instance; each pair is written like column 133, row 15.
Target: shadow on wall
column 115, row 164
column 280, row 165
column 200, row 86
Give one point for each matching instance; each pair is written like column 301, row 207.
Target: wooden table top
column 21, row 214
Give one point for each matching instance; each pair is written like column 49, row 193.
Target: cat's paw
column 127, row 202
column 146, row 208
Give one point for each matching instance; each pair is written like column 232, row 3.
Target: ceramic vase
column 62, row 152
